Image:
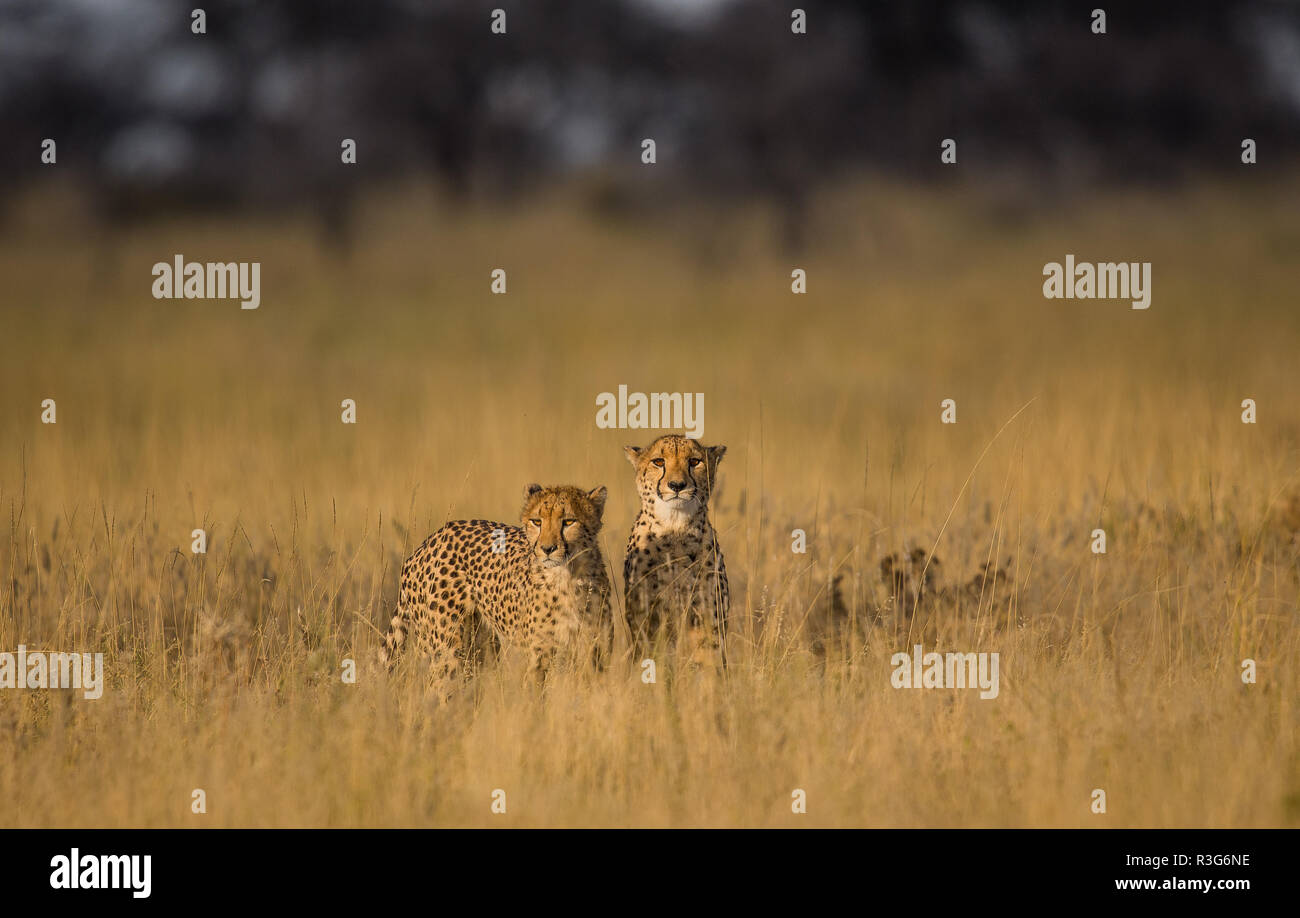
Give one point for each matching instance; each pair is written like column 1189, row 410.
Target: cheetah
column 542, row 585
column 674, row 574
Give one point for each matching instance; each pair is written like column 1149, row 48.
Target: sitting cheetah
column 542, row 585
column 674, row 573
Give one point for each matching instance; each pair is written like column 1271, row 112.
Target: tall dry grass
column 1118, row 671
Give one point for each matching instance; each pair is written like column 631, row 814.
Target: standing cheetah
column 674, row 574
column 543, row 585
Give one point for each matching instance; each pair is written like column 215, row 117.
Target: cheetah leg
column 443, row 641
column 395, row 639
column 718, row 603
column 543, row 654
column 603, row 647
column 699, row 643
column 444, row 669
column 642, row 623
column 706, row 627
column 705, row 646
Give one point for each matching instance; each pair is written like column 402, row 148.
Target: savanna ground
column 1118, row 671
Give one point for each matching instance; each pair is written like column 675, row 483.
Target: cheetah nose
column 677, row 485
column 549, row 548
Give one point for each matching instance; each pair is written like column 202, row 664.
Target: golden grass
column 1118, row 671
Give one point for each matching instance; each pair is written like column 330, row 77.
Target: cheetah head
column 675, row 475
column 561, row 522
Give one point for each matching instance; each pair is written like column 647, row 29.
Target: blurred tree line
column 251, row 114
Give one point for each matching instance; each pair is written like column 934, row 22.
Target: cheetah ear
column 597, row 497
column 716, row 453
column 531, row 490
column 633, row 454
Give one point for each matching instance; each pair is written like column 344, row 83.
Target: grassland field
column 1119, row 671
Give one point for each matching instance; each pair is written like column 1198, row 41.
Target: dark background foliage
column 250, row 115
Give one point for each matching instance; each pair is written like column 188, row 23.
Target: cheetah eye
column 568, row 522
column 657, row 463
column 536, row 522
column 695, row 462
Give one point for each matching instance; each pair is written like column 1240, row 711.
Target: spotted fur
column 675, row 580
column 542, row 585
